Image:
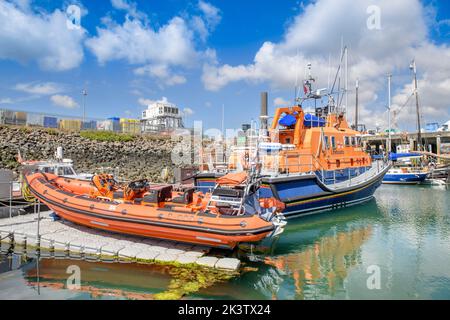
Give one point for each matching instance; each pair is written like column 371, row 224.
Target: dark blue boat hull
column 304, row 195
column 411, row 178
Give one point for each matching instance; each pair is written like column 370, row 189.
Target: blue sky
column 224, row 50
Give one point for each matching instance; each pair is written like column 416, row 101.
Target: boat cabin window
column 347, row 141
column 65, row 171
column 327, row 142
column 48, row 170
column 287, row 140
column 333, row 142
column 353, row 141
column 358, row 141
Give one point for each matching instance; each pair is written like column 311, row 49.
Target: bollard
column 10, row 198
column 38, row 237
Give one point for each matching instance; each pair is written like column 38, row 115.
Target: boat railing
column 306, row 164
column 289, row 164
column 275, row 163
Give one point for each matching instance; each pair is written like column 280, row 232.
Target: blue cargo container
column 89, row 125
column 50, row 122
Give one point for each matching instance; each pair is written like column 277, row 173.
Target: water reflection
column 405, row 231
column 125, row 281
column 99, row 280
column 324, row 265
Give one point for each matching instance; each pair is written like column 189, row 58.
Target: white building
column 161, row 116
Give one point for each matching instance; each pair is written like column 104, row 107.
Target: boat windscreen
column 313, row 121
column 251, row 205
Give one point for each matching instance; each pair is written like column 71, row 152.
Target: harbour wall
column 143, row 156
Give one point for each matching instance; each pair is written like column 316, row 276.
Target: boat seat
column 228, row 211
column 186, row 198
column 151, row 197
column 158, row 194
column 225, row 192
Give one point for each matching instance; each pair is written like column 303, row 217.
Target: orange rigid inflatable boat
column 231, row 214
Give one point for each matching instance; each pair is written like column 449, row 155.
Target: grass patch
column 25, row 129
column 52, row 131
column 106, row 136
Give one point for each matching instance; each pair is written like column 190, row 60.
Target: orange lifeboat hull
column 168, row 223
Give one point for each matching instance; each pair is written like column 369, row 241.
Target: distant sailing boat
column 403, row 173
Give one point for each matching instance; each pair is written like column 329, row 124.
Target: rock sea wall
column 142, row 157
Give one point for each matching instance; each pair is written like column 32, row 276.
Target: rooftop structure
column 161, row 116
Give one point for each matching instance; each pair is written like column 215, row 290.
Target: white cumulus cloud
column 146, row 102
column 161, row 72
column 121, row 4
column 157, row 51
column 138, row 43
column 207, row 21
column 43, row 88
column 40, row 37
column 211, row 13
column 161, row 53
column 188, row 112
column 64, row 101
column 279, row 101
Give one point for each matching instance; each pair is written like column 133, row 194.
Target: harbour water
column 396, row 246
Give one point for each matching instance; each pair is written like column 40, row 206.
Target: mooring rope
column 26, row 192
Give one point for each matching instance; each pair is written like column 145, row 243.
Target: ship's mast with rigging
column 388, row 145
column 356, row 103
column 412, row 66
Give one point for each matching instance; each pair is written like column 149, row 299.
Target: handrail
column 301, row 163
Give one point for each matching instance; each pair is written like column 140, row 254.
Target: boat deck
column 377, row 167
column 63, row 239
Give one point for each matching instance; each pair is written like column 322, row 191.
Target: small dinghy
column 230, row 215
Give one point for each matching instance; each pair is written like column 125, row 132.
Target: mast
column 419, row 134
column 329, row 72
column 296, row 79
column 388, row 145
column 346, row 81
column 356, row 104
